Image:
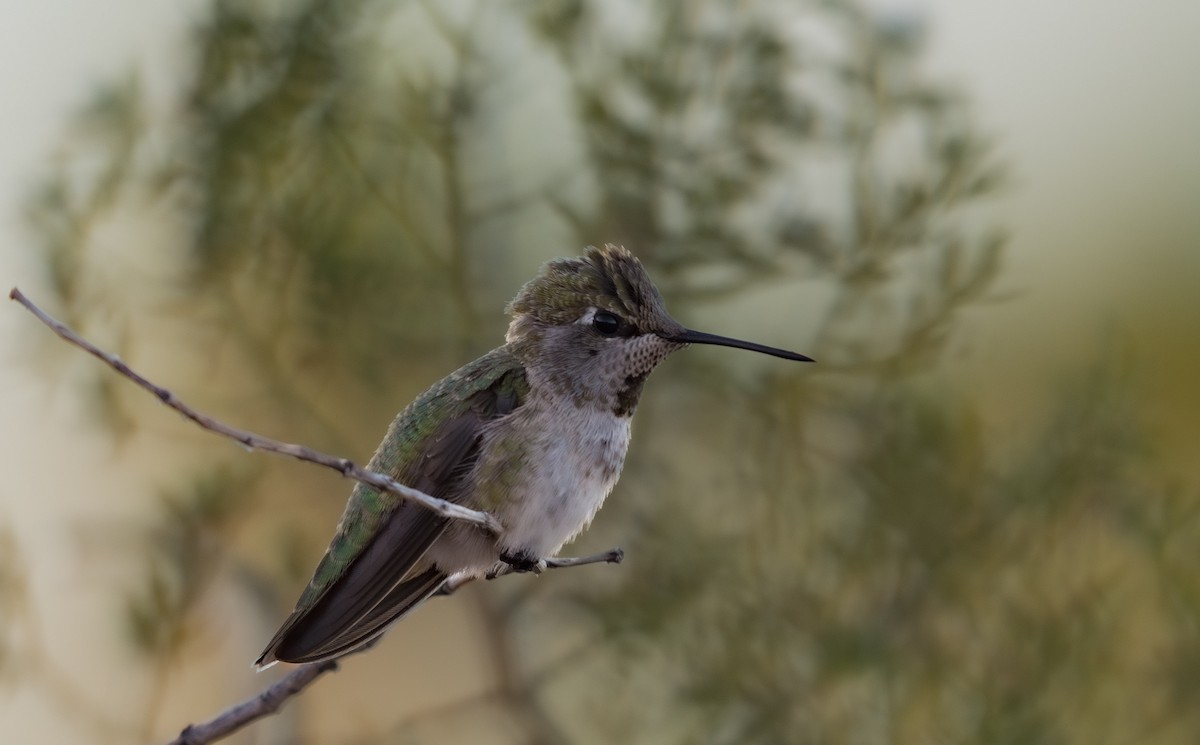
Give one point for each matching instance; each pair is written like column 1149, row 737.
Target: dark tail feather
column 298, row 643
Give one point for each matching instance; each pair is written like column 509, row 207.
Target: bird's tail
column 299, row 640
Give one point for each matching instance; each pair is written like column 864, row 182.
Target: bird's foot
column 523, row 562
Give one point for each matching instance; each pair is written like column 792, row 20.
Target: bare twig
column 343, row 466
column 267, row 702
column 611, row 556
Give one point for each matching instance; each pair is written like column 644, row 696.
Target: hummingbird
column 533, row 432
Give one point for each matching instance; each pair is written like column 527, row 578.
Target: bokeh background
column 974, row 521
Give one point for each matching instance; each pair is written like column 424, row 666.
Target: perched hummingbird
column 533, row 432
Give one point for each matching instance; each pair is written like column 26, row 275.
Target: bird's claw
column 522, row 562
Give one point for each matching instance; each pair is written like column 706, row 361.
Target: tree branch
column 611, row 556
column 267, row 702
column 271, row 699
column 344, row 466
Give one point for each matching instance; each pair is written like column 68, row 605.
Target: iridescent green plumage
column 430, row 446
column 399, row 454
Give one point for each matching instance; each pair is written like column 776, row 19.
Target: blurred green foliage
column 817, row 555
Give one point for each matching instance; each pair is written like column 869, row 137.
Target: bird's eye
column 605, row 323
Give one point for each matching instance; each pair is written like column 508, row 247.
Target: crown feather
column 608, row 278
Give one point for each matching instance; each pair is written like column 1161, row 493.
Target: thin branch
column 343, row 466
column 270, row 700
column 611, row 556
column 267, row 702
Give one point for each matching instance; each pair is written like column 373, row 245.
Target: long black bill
column 699, row 337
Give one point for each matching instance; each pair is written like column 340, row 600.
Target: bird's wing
column 370, row 575
column 402, row 598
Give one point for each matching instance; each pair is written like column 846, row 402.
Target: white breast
column 575, row 459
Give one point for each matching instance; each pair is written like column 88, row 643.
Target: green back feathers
column 403, row 450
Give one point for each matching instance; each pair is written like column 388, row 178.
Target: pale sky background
column 1094, row 103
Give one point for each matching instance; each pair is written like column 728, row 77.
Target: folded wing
column 373, row 572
